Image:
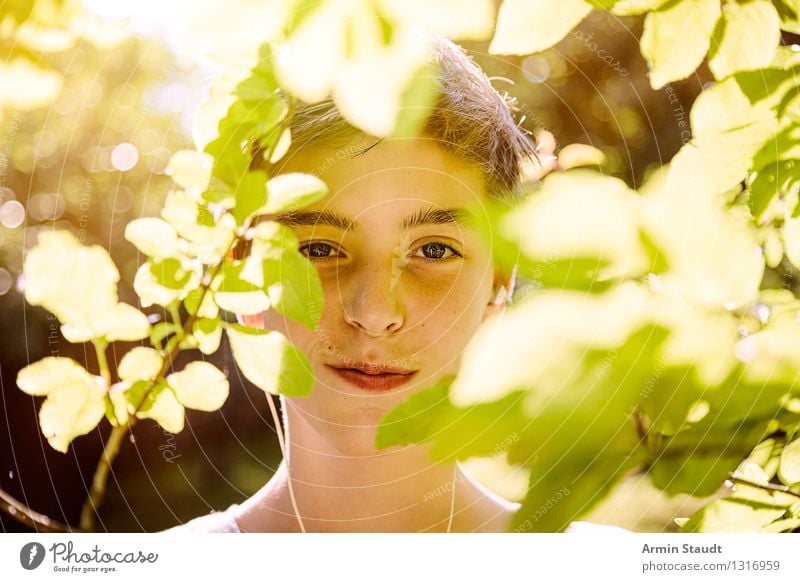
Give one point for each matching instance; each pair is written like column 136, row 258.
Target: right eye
column 319, row 250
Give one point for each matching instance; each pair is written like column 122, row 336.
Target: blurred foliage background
column 86, row 150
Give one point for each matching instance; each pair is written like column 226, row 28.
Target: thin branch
column 26, row 516
column 766, row 486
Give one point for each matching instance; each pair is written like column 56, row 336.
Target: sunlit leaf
column 308, row 63
column 75, row 401
column 154, row 237
column 293, row 191
column 634, row 7
column 450, row 18
column 731, row 515
column 530, row 26
column 161, row 405
column 191, row 169
column 77, row 283
column 269, row 361
column 676, row 38
column 200, row 386
column 294, row 288
column 140, row 364
column 371, row 85
column 746, row 37
column 789, row 469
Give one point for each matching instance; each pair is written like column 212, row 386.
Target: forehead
column 366, row 175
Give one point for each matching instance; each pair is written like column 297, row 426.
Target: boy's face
column 406, row 282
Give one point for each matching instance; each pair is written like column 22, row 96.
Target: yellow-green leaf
column 75, row 401
column 292, row 191
column 128, row 324
column 745, row 39
column 165, row 410
column 451, row 18
column 677, row 37
column 71, row 411
column 77, row 283
column 191, row 170
column 789, row 469
column 270, row 361
column 201, row 386
column 530, row 26
column 140, row 364
column 154, row 237
column 40, row 378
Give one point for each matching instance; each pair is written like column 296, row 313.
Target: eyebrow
column 422, row 217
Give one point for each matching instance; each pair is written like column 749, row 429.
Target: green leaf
column 201, row 386
column 294, row 288
column 636, row 7
column 239, row 287
column 293, row 191
column 75, row 401
column 769, row 183
column 745, row 38
column 160, row 405
column 270, row 361
column 530, row 26
column 71, row 411
column 791, row 239
column 697, row 461
column 127, row 324
column 251, row 195
column 154, row 237
column 163, row 281
column 417, row 102
column 781, row 525
column 676, row 38
column 208, row 333
column 44, row 376
column 76, row 283
column 140, row 364
column 308, row 63
column 732, row 515
column 557, row 237
column 191, row 170
column 417, row 419
column 789, row 469
column 209, row 238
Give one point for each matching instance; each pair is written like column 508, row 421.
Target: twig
column 25, row 515
column 768, row 486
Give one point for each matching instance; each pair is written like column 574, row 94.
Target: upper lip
column 372, row 369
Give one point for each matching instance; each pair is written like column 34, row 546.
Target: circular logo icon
column 31, row 555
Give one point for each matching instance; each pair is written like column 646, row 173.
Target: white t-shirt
column 225, row 522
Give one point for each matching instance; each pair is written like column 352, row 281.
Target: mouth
column 374, row 378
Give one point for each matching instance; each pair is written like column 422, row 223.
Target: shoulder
column 584, row 527
column 214, row 522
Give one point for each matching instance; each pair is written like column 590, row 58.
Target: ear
column 502, row 289
column 255, row 320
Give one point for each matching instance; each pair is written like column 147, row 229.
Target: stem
column 100, row 346
column 279, row 432
column 98, row 490
column 26, row 516
column 766, row 486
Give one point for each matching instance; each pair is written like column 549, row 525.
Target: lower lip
column 375, row 382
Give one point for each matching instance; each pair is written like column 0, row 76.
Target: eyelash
column 454, row 253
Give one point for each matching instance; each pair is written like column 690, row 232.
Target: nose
column 373, row 304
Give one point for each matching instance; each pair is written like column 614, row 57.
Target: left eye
column 435, row 251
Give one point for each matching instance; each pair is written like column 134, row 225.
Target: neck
column 401, row 490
